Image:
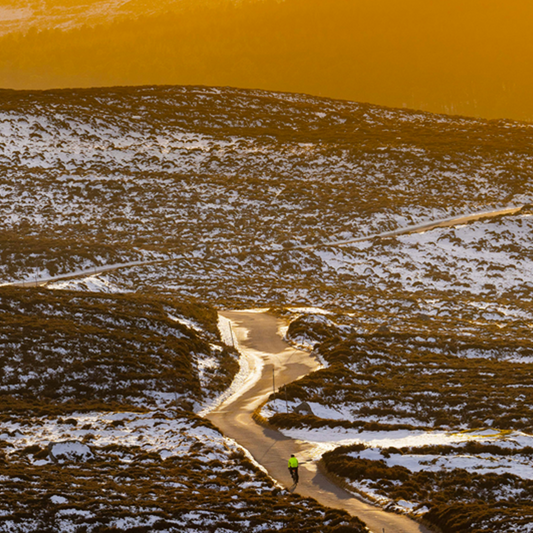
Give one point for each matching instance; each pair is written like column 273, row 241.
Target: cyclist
column 293, row 468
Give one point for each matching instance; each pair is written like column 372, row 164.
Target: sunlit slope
column 111, row 175
column 455, row 57
column 21, row 15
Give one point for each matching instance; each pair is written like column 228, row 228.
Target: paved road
column 257, row 334
column 42, row 282
column 453, row 221
column 426, row 226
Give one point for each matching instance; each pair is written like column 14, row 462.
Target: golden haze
column 469, row 57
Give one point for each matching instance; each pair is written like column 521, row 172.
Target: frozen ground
column 133, row 470
column 366, row 410
column 203, row 174
column 377, row 441
column 97, row 425
column 232, row 186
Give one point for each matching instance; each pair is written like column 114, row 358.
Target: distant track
column 257, row 335
column 426, row 226
column 418, row 228
column 83, row 273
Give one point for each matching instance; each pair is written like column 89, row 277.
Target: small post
column 231, row 333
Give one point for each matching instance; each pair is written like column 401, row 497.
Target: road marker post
column 231, row 333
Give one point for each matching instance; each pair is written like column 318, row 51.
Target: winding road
column 259, row 339
column 426, row 226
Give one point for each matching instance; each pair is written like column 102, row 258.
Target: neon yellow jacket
column 293, row 462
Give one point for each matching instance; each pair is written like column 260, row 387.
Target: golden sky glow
column 470, row 57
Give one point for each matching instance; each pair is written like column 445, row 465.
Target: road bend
column 258, row 338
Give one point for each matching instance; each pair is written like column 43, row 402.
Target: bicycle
column 294, row 474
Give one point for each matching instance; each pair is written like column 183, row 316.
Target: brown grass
column 69, row 351
column 458, row 501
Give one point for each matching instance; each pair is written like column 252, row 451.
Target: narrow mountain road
column 257, row 335
column 427, row 226
column 42, row 282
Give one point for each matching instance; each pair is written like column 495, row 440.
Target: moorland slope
column 427, row 331
column 208, row 175
column 98, row 430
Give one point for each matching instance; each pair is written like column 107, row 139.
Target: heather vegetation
column 66, row 351
column 228, row 182
column 454, row 499
column 228, row 188
column 420, row 382
column 463, row 375
column 97, row 423
column 21, row 251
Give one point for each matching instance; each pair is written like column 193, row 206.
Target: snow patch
column 70, row 451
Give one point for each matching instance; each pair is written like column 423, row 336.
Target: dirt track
column 426, row 226
column 257, row 334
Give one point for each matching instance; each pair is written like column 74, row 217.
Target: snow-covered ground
column 232, row 186
column 214, row 182
column 377, row 441
column 161, row 432
column 150, row 463
column 90, row 454
column 250, row 368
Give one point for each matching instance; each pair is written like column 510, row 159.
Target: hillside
column 229, row 183
column 204, row 175
column 97, row 423
column 83, row 351
column 430, row 418
column 425, row 337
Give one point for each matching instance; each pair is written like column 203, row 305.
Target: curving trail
column 258, row 338
column 427, row 226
